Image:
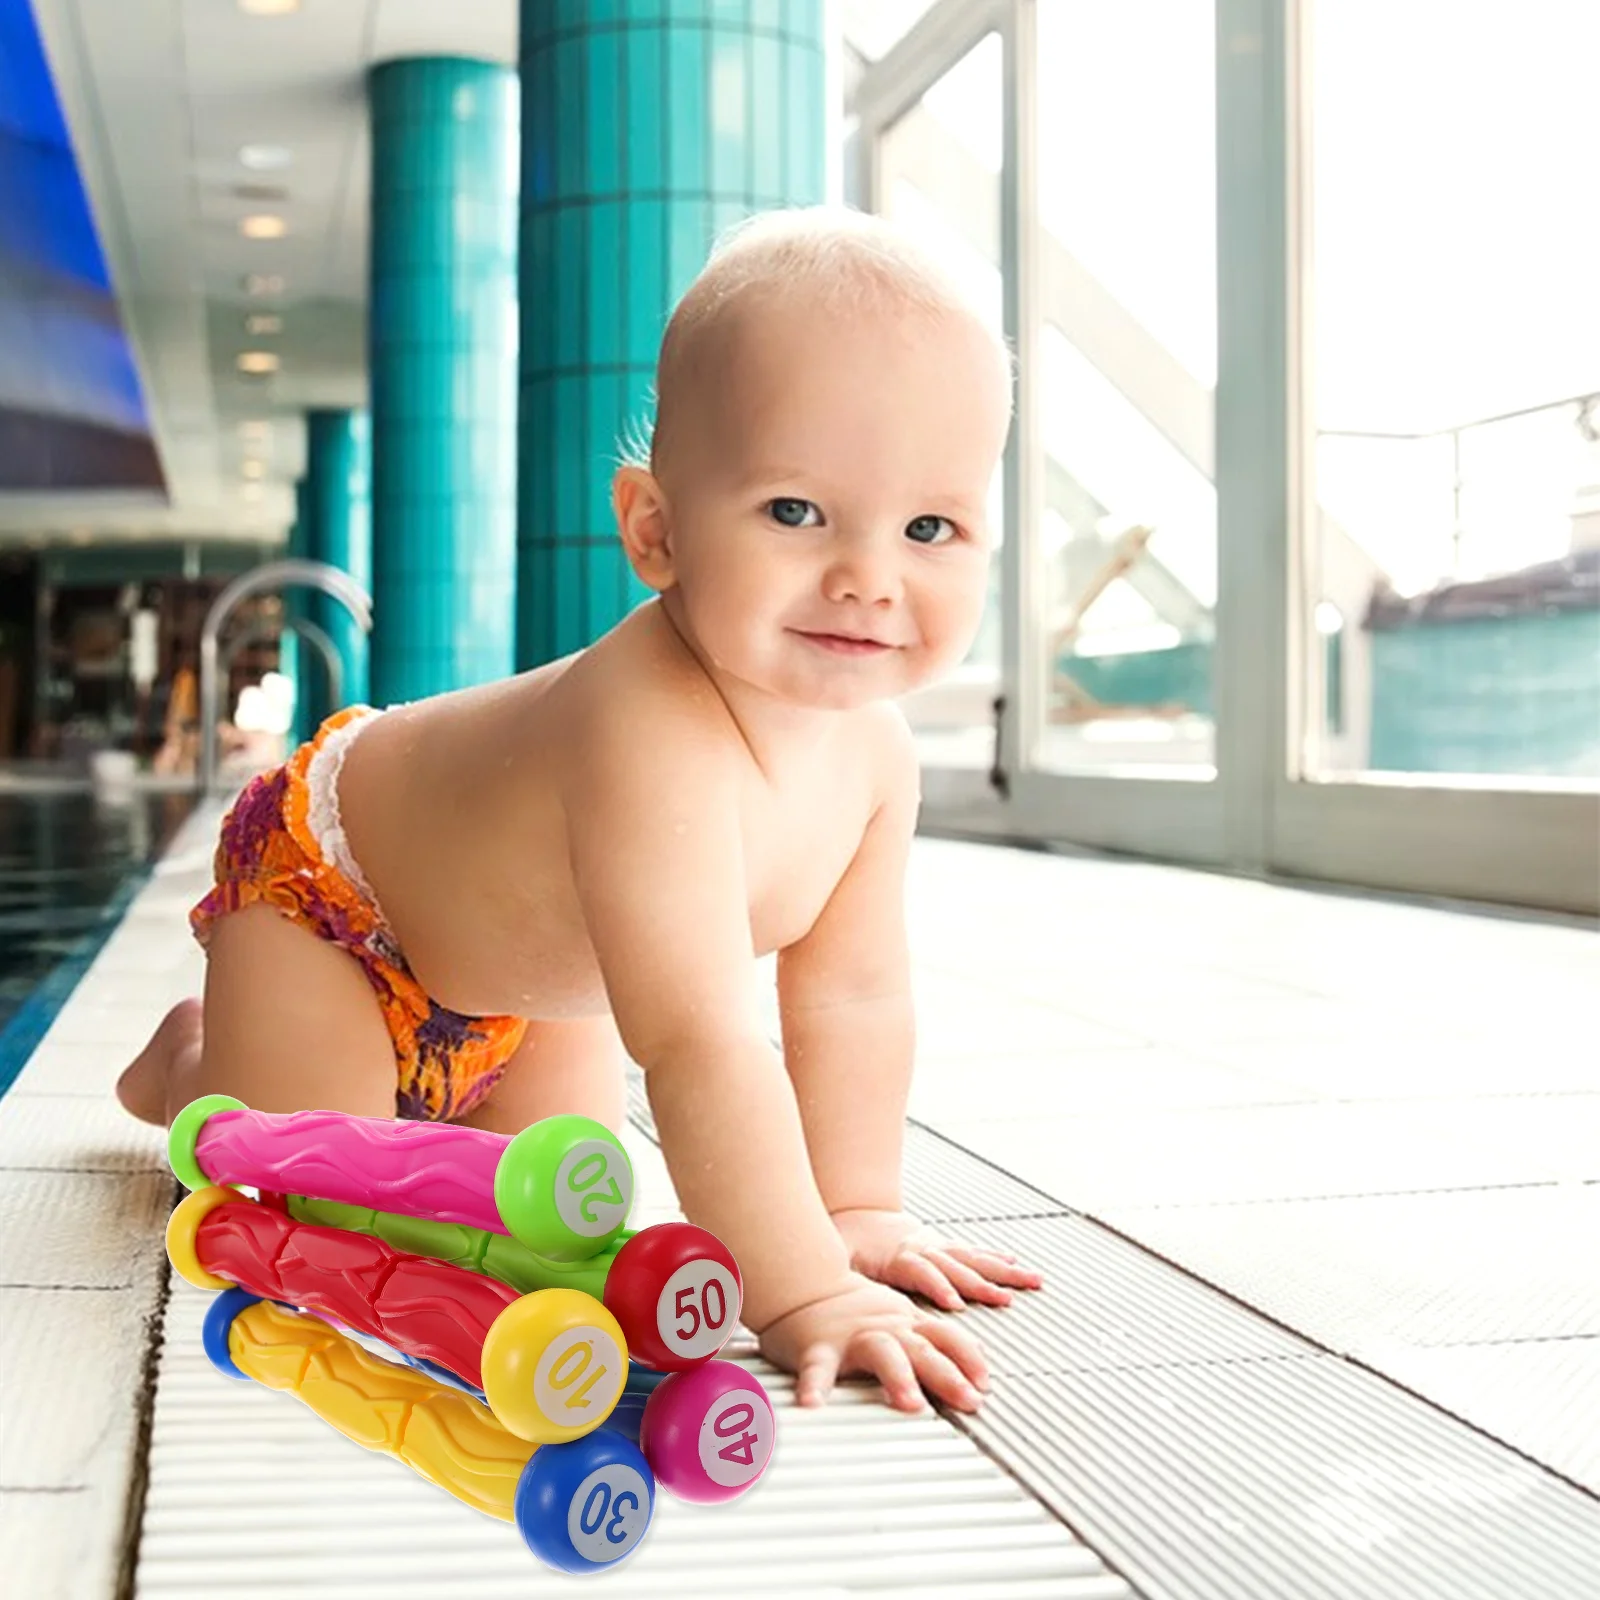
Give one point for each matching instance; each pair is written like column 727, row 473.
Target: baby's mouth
column 845, row 644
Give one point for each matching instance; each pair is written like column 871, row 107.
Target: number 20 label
column 593, row 1189
column 697, row 1309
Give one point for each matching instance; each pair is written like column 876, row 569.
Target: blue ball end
column 219, row 1319
column 585, row 1505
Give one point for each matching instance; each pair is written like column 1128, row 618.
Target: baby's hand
column 867, row 1328
column 895, row 1248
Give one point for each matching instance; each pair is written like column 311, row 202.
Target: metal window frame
column 1263, row 812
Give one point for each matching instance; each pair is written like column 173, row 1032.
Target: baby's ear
column 641, row 510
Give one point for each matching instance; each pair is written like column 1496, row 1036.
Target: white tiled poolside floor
column 1378, row 1123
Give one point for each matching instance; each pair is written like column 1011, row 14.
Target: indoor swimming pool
column 70, row 862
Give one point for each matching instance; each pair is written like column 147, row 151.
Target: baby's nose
column 863, row 570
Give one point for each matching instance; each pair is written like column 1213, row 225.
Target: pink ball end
column 708, row 1433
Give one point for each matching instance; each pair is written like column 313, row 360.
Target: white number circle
column 594, row 1189
column 578, row 1377
column 697, row 1309
column 736, row 1438
column 608, row 1513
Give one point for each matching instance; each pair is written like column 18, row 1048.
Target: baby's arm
column 849, row 1042
column 652, row 808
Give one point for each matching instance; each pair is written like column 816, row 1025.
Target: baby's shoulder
column 630, row 700
column 889, row 748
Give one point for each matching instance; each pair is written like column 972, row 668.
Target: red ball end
column 708, row 1434
column 676, row 1291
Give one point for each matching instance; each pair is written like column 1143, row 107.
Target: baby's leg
column 572, row 1065
column 289, row 1023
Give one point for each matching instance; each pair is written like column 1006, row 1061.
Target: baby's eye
column 794, row 513
column 930, row 530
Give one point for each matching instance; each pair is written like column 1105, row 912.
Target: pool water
column 69, row 864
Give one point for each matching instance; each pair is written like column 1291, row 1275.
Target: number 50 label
column 698, row 1309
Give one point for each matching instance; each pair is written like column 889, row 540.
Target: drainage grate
column 251, row 1496
column 1207, row 1453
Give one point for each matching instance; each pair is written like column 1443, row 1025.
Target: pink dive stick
column 423, row 1169
column 563, row 1187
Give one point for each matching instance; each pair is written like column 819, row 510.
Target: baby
column 584, row 862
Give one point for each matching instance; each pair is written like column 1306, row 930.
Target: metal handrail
column 1585, row 402
column 1588, row 407
column 301, row 627
column 292, row 574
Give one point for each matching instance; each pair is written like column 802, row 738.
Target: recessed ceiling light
column 265, row 157
column 263, row 225
column 269, row 8
column 257, row 361
column 263, row 322
column 252, row 469
column 258, row 284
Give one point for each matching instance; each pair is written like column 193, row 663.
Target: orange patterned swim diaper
column 282, row 844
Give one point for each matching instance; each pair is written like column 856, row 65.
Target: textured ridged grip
column 496, row 1255
column 444, row 1435
column 423, row 1169
column 423, row 1308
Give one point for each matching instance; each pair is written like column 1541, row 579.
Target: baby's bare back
column 456, row 810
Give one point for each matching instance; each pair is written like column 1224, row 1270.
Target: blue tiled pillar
column 339, row 507
column 442, row 354
column 649, row 127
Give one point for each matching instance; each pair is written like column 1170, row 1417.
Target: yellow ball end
column 184, row 1224
column 554, row 1363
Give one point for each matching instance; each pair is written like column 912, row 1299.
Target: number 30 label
column 697, row 1309
column 608, row 1513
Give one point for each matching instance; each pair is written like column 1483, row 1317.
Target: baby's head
column 830, row 414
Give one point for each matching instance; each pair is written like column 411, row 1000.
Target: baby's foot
column 173, row 1051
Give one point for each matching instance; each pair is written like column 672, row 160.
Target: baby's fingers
column 960, row 1346
column 919, row 1274
column 997, row 1268
column 968, row 1282
column 939, row 1375
column 882, row 1355
column 814, row 1379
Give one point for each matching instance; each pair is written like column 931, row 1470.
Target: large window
column 1454, row 560
column 1126, row 255
column 1303, row 499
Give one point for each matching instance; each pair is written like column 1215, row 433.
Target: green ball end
column 184, row 1132
column 564, row 1188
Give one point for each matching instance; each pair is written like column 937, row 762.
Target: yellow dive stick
column 446, row 1436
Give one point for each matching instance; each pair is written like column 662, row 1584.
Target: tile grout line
column 1316, row 1349
column 126, row 1577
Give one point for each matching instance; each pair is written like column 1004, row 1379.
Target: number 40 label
column 697, row 1309
column 736, row 1438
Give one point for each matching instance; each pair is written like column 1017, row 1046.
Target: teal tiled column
column 339, row 508
column 442, row 354
column 294, row 660
column 649, row 127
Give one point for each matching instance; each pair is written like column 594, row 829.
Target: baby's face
column 827, row 502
